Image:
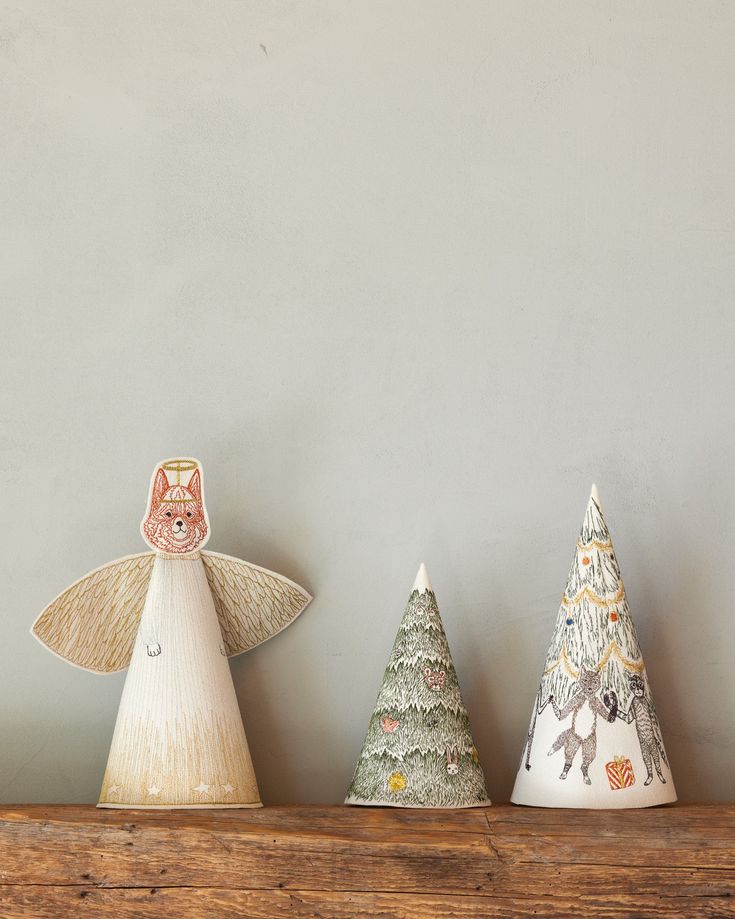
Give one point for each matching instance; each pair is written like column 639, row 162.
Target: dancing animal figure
column 646, row 724
column 584, row 707
column 538, row 707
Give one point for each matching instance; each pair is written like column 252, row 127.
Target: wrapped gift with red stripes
column 620, row 773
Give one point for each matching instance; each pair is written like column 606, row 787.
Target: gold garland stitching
column 594, row 544
column 574, row 674
column 612, row 648
column 600, row 601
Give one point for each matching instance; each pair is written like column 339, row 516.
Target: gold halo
column 179, row 466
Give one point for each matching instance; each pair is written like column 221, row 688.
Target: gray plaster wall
column 407, row 278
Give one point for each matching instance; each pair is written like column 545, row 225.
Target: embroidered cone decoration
column 594, row 738
column 173, row 616
column 419, row 750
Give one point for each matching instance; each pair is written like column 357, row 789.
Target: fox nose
column 179, row 523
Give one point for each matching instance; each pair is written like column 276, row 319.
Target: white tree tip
column 595, row 496
column 422, row 581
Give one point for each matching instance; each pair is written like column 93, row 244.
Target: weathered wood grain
column 342, row 862
column 197, row 902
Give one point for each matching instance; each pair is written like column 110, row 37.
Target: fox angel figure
column 172, row 617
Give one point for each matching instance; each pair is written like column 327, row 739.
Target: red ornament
column 613, row 617
column 388, row 724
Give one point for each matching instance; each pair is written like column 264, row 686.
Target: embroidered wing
column 252, row 604
column 93, row 623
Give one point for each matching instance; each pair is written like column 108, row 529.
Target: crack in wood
column 387, row 892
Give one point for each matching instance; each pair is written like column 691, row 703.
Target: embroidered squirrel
column 642, row 712
column 584, row 707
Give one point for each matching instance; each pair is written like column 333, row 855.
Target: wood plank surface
column 333, row 861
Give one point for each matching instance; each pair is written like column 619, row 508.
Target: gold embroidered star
column 113, row 790
column 202, row 788
column 228, row 789
column 154, row 790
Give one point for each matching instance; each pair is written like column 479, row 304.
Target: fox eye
column 168, row 513
column 188, row 513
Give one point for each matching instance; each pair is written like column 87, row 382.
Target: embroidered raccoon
column 642, row 712
column 584, row 707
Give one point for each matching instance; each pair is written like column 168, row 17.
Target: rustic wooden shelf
column 340, row 862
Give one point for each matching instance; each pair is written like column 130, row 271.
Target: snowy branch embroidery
column 418, row 751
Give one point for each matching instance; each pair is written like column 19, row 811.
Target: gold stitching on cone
column 591, row 595
column 612, row 648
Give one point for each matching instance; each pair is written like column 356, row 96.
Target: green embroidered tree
column 419, row 750
column 594, row 629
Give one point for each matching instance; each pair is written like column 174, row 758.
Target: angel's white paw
column 153, row 650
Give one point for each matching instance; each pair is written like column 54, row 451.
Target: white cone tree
column 419, row 750
column 594, row 708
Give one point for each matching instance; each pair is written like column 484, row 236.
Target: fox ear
column 160, row 487
column 195, row 486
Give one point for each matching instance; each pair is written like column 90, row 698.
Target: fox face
column 176, row 521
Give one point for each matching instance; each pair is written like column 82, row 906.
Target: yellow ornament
column 396, row 782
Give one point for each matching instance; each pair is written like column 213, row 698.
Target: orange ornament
column 613, row 617
column 585, row 560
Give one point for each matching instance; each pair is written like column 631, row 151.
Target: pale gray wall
column 407, row 284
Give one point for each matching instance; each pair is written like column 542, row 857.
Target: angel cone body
column 173, row 617
column 594, row 739
column 419, row 751
column 179, row 739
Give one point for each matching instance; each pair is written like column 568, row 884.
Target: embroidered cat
column 584, row 707
column 642, row 712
